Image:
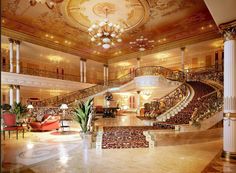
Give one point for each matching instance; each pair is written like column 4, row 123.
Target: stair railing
column 211, row 103
column 163, row 104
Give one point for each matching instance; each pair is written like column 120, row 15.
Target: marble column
column 85, row 71
column 17, row 94
column 81, row 71
column 182, row 58
column 17, row 56
column 229, row 139
column 138, row 103
column 11, row 50
column 105, row 74
column 11, row 95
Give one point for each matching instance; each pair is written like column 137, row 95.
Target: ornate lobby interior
column 118, row 86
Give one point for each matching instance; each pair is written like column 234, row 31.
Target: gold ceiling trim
column 168, row 46
column 70, row 12
column 45, row 43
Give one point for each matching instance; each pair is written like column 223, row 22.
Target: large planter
column 87, row 140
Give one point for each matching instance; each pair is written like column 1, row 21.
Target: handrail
column 84, row 93
column 218, row 67
column 169, row 100
column 171, row 91
column 211, row 103
column 46, row 73
column 159, row 70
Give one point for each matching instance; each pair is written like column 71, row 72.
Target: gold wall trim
column 230, row 115
column 45, row 43
column 229, row 156
column 168, row 46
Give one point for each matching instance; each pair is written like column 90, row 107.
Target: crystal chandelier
column 142, row 43
column 105, row 34
column 49, row 3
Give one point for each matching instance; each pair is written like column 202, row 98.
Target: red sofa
column 46, row 124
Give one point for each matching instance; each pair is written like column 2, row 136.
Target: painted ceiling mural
column 160, row 20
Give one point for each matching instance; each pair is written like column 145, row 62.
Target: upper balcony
column 51, row 74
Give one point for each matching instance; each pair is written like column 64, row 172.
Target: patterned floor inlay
column 125, row 137
column 218, row 165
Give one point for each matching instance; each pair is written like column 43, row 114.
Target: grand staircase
column 100, row 89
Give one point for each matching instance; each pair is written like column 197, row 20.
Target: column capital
column 11, row 86
column 228, row 30
column 82, row 59
column 138, row 59
column 17, row 42
column 11, row 40
column 182, row 48
column 105, row 65
column 17, row 86
column 138, row 92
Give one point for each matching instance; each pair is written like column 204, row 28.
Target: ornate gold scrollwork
column 228, row 30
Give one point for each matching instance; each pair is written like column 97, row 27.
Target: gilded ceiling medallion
column 82, row 14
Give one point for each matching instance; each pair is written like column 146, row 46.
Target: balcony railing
column 214, row 73
column 50, row 74
column 158, row 70
column 84, row 93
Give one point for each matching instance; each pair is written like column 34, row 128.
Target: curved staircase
column 100, row 89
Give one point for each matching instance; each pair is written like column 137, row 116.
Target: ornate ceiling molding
column 82, row 14
column 171, row 45
column 35, row 40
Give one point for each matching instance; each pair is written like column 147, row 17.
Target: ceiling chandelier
column 105, row 34
column 146, row 94
column 142, row 44
column 49, row 3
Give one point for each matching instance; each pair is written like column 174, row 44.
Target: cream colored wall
column 69, row 65
column 29, row 92
column 173, row 62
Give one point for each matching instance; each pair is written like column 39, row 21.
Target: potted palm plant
column 20, row 110
column 83, row 114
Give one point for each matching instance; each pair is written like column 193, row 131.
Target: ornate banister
column 159, row 70
column 211, row 103
column 163, row 104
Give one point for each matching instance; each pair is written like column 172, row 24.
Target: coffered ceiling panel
column 163, row 21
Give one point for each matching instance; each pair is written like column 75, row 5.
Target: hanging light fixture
column 146, row 94
column 142, row 44
column 49, row 3
column 105, row 34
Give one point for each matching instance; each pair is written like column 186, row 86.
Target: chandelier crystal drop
column 142, row 43
column 49, row 3
column 105, row 34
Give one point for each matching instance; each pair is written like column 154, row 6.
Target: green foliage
column 6, row 107
column 20, row 110
column 82, row 113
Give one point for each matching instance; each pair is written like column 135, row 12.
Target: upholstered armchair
column 9, row 124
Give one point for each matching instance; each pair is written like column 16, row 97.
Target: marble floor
column 48, row 153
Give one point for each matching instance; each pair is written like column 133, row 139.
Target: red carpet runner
column 125, row 137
